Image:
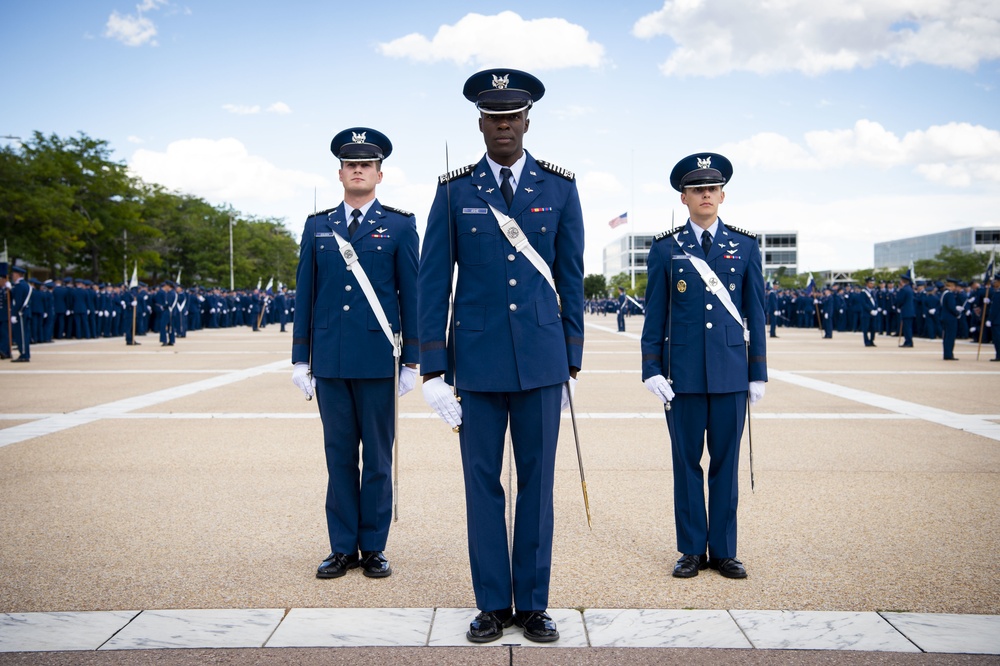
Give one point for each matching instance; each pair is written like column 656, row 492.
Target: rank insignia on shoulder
column 327, row 212
column 457, row 173
column 665, row 234
column 742, row 231
column 558, row 170
column 398, row 211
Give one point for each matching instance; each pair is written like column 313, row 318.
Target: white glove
column 407, row 380
column 567, row 396
column 69, row 312
column 660, row 387
column 874, row 312
column 989, row 324
column 302, row 379
column 756, row 392
column 986, row 299
column 439, row 396
column 826, row 316
column 932, row 310
column 13, row 319
column 135, row 303
column 777, row 313
column 958, row 308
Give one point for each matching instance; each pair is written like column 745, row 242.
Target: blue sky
column 868, row 121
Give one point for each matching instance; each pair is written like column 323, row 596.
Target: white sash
column 715, row 285
column 353, row 265
column 519, row 241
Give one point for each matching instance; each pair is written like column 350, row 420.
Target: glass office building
column 899, row 253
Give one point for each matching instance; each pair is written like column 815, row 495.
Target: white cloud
column 279, row 108
column 721, row 36
column 599, row 183
column 505, row 40
column 955, row 154
column 222, row 171
column 241, row 109
column 130, row 30
column 135, row 139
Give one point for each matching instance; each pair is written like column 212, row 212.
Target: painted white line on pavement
column 59, row 422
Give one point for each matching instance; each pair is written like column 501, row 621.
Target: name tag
column 324, row 234
column 475, row 211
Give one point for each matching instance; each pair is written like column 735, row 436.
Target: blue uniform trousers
column 22, row 335
column 500, row 578
column 358, row 510
column 949, row 326
column 722, row 415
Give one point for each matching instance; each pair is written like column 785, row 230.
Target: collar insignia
column 381, row 230
column 528, row 190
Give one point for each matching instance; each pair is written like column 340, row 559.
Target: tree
column 595, row 285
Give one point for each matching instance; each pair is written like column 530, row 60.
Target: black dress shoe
column 689, row 565
column 537, row 625
column 951, row 358
column 374, row 564
column 336, row 565
column 728, row 567
column 21, row 359
column 489, row 625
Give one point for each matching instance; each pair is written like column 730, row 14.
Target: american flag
column 618, row 221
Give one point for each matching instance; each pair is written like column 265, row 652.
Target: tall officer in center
column 513, row 351
column 357, row 287
column 704, row 302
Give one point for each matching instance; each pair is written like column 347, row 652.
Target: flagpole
column 232, row 282
column 631, row 236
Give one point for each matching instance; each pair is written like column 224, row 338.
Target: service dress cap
column 502, row 91
column 701, row 169
column 19, row 269
column 360, row 144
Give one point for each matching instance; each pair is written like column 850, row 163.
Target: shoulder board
column 457, row 173
column 666, row 234
column 742, row 231
column 323, row 212
column 558, row 170
column 400, row 211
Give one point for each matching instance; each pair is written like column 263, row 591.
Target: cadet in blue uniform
column 21, row 294
column 991, row 301
column 6, row 328
column 869, row 311
column 341, row 351
column 704, row 296
column 951, row 310
column 512, row 352
column 622, row 304
column 905, row 303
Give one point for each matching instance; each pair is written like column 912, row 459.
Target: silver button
column 510, row 257
column 512, row 282
column 708, row 325
column 379, row 247
column 347, row 287
column 513, row 307
column 346, row 308
column 322, row 246
column 543, row 230
column 473, row 230
column 680, row 270
column 732, row 270
column 708, row 306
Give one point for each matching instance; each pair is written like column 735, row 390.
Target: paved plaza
column 166, row 504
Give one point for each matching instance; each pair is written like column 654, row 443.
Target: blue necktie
column 505, row 189
column 353, row 226
column 706, row 242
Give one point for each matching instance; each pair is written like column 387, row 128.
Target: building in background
column 899, row 253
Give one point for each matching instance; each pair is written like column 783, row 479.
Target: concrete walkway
column 166, row 502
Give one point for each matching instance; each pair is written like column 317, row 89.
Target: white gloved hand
column 756, row 392
column 777, row 313
column 565, row 396
column 13, row 319
column 69, row 312
column 660, row 387
column 932, row 310
column 986, row 300
column 989, row 324
column 407, row 380
column 438, row 395
column 826, row 316
column 302, row 379
column 874, row 312
column 958, row 308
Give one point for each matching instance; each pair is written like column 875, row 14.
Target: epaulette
column 457, row 173
column 558, row 170
column 665, row 234
column 742, row 231
column 400, row 211
column 324, row 212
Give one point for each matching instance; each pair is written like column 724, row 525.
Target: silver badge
column 348, row 254
column 358, row 138
column 512, row 233
column 705, row 163
column 732, row 287
column 712, row 282
column 501, row 82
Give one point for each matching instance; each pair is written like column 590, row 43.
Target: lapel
column 528, row 187
column 335, row 221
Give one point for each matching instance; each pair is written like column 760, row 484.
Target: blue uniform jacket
column 706, row 352
column 333, row 314
column 905, row 301
column 509, row 332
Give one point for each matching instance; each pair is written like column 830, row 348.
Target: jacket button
column 473, row 230
column 513, row 307
column 708, row 306
column 510, row 257
column 512, row 282
column 347, row 287
column 348, row 307
column 708, row 325
column 543, row 230
column 322, row 246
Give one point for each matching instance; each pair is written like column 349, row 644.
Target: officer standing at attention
column 704, row 297
column 951, row 310
column 869, row 311
column 357, row 286
column 512, row 351
column 905, row 303
column 21, row 294
column 622, row 304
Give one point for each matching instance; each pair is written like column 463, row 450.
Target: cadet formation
column 488, row 317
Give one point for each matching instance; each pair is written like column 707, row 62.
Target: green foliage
column 623, row 279
column 595, row 285
column 65, row 206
